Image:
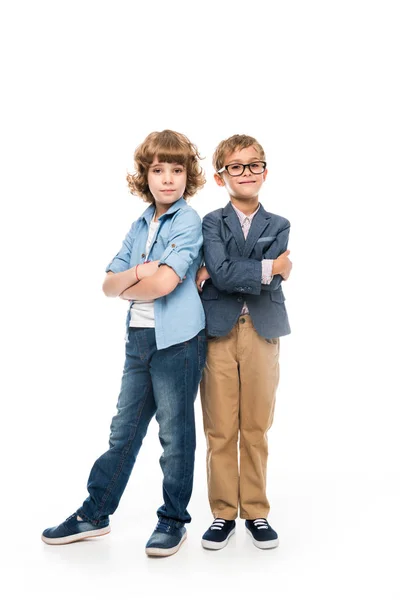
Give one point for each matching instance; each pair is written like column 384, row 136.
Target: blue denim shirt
column 178, row 244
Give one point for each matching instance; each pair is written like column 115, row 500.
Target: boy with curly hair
column 246, row 259
column 165, row 345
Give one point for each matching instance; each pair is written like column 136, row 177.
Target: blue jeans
column 163, row 383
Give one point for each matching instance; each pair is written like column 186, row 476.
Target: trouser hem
column 104, row 521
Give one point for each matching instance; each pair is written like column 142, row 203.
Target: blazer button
column 173, row 245
column 240, row 299
column 143, row 256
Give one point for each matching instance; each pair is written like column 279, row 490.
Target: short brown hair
column 235, row 142
column 169, row 146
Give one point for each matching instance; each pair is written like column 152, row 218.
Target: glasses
column 237, row 169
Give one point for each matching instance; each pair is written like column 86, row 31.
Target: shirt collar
column 149, row 212
column 242, row 216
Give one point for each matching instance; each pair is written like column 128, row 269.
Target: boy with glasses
column 246, row 259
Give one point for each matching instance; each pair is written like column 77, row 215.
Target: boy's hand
column 147, row 269
column 282, row 265
column 201, row 276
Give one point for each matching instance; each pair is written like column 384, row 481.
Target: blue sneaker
column 72, row 530
column 166, row 539
column 262, row 534
column 218, row 534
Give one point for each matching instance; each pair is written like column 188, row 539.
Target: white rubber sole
column 217, row 545
column 263, row 545
column 165, row 551
column 69, row 539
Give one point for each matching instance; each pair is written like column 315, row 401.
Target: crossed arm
column 152, row 280
column 228, row 271
column 280, row 266
column 145, row 281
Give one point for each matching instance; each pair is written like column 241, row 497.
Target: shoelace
column 261, row 523
column 218, row 524
column 162, row 526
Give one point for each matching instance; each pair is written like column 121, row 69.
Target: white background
column 318, row 84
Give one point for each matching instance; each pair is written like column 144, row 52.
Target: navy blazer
column 234, row 265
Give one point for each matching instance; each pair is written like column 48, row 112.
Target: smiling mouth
column 167, row 190
column 245, row 182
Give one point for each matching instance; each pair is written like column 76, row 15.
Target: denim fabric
column 177, row 243
column 163, row 383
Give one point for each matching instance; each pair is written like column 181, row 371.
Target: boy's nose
column 168, row 177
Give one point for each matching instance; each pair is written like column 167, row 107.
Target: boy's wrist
column 276, row 269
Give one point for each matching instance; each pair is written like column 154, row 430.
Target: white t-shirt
column 142, row 313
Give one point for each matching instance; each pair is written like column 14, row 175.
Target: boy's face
column 247, row 185
column 167, row 181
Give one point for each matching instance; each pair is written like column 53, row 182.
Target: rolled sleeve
column 184, row 244
column 121, row 261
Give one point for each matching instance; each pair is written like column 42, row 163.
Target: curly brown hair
column 235, row 142
column 169, row 146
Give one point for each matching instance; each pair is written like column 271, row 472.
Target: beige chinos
column 238, row 399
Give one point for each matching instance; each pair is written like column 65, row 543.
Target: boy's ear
column 219, row 180
column 265, row 174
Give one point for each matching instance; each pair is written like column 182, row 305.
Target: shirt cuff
column 266, row 274
column 116, row 266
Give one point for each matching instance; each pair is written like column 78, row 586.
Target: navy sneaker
column 72, row 530
column 218, row 534
column 262, row 534
column 166, row 539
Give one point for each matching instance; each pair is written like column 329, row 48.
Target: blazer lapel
column 233, row 223
column 258, row 225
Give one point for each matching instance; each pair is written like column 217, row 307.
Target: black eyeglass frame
column 225, row 168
